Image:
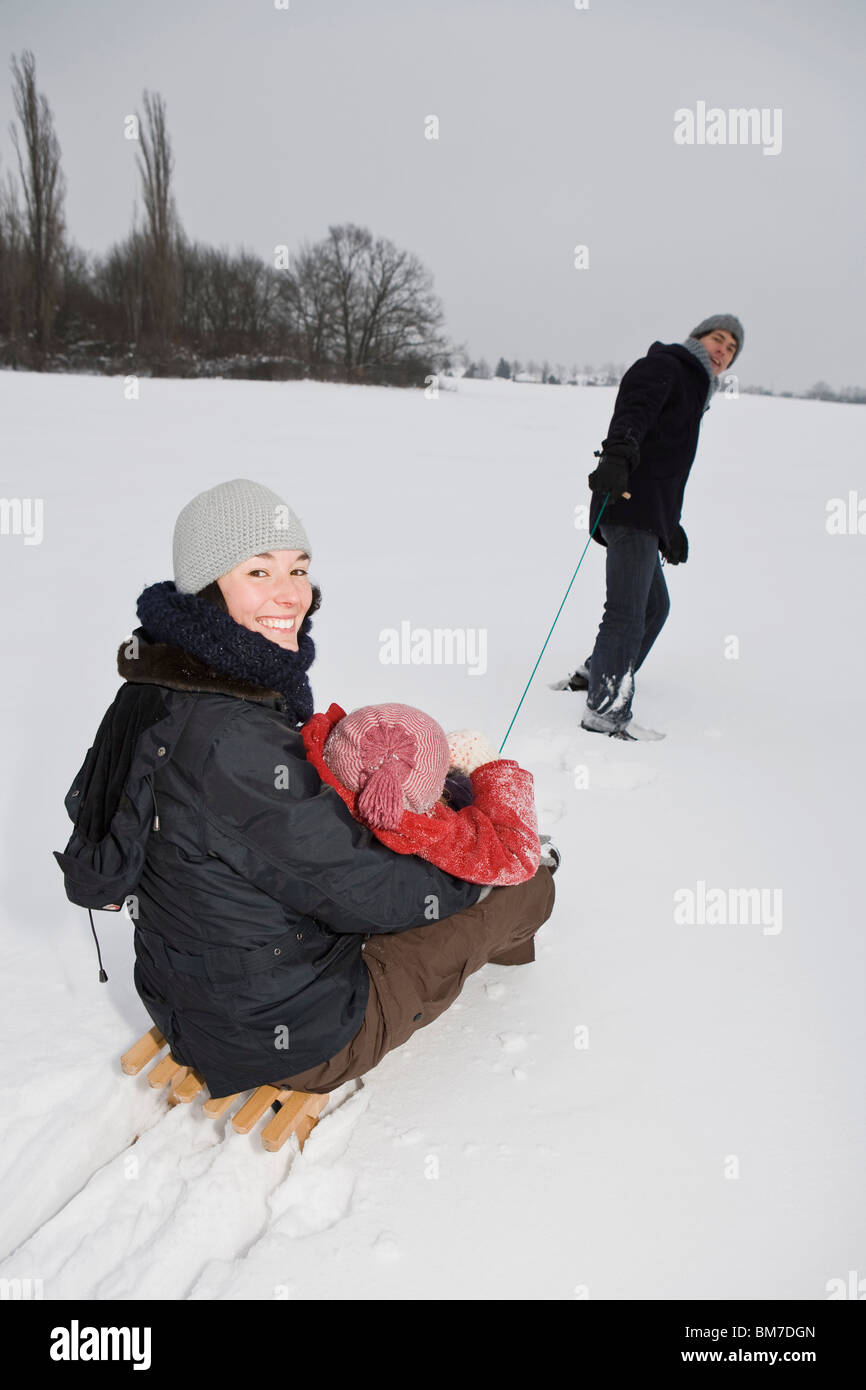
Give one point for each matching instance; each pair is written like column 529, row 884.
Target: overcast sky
column 556, row 129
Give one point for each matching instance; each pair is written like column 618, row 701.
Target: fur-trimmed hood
column 159, row 663
column 189, row 643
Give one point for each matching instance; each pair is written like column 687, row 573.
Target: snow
column 653, row 1109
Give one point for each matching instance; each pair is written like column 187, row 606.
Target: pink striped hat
column 395, row 756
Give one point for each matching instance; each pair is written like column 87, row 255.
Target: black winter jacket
column 659, row 406
column 257, row 887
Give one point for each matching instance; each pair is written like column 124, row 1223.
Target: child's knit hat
column 394, row 756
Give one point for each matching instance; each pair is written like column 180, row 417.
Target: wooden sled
column 298, row 1113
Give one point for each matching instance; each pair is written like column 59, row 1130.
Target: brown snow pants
column 415, row 975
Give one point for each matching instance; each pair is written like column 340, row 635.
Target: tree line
column 350, row 307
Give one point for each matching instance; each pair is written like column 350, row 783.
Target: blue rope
column 553, row 624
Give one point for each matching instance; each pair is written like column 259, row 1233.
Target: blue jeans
column 635, row 610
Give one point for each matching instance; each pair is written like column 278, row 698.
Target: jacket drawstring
column 103, row 978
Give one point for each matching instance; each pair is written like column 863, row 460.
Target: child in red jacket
column 401, row 775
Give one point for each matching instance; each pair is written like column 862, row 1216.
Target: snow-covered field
column 656, row 1108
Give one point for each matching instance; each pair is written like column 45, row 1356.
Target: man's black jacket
column 658, row 407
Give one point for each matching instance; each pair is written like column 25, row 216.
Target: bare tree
column 161, row 231
column 400, row 312
column 308, row 304
column 361, row 305
column 44, row 187
column 384, row 309
column 193, row 277
column 348, row 248
column 119, row 278
column 12, row 271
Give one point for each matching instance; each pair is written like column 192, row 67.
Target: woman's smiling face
column 270, row 593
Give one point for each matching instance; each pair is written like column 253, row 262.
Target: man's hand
column 677, row 551
column 616, row 461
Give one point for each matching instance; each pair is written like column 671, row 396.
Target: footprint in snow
column 597, row 773
column 385, row 1246
column 550, row 811
column 544, row 746
column 410, row 1136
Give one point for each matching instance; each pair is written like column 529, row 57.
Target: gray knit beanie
column 726, row 321
column 225, row 525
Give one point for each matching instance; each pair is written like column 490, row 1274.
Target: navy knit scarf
column 197, row 626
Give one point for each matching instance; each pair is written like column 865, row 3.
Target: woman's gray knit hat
column 227, row 524
column 726, row 321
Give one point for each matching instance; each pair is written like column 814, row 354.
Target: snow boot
column 631, row 732
column 578, row 680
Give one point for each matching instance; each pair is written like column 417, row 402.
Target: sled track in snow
column 182, row 1196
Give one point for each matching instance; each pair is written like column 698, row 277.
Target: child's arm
column 494, row 841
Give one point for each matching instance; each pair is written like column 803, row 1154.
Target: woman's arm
column 266, row 812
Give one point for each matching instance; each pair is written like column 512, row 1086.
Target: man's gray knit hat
column 726, row 321
column 227, row 524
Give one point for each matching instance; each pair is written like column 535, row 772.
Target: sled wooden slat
column 297, row 1115
column 218, row 1105
column 308, row 1123
column 176, row 1080
column 163, row 1072
column 253, row 1109
column 142, row 1052
column 305, row 1125
column 187, row 1089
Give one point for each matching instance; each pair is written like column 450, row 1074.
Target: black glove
column 677, row 551
column 616, row 461
column 550, row 855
